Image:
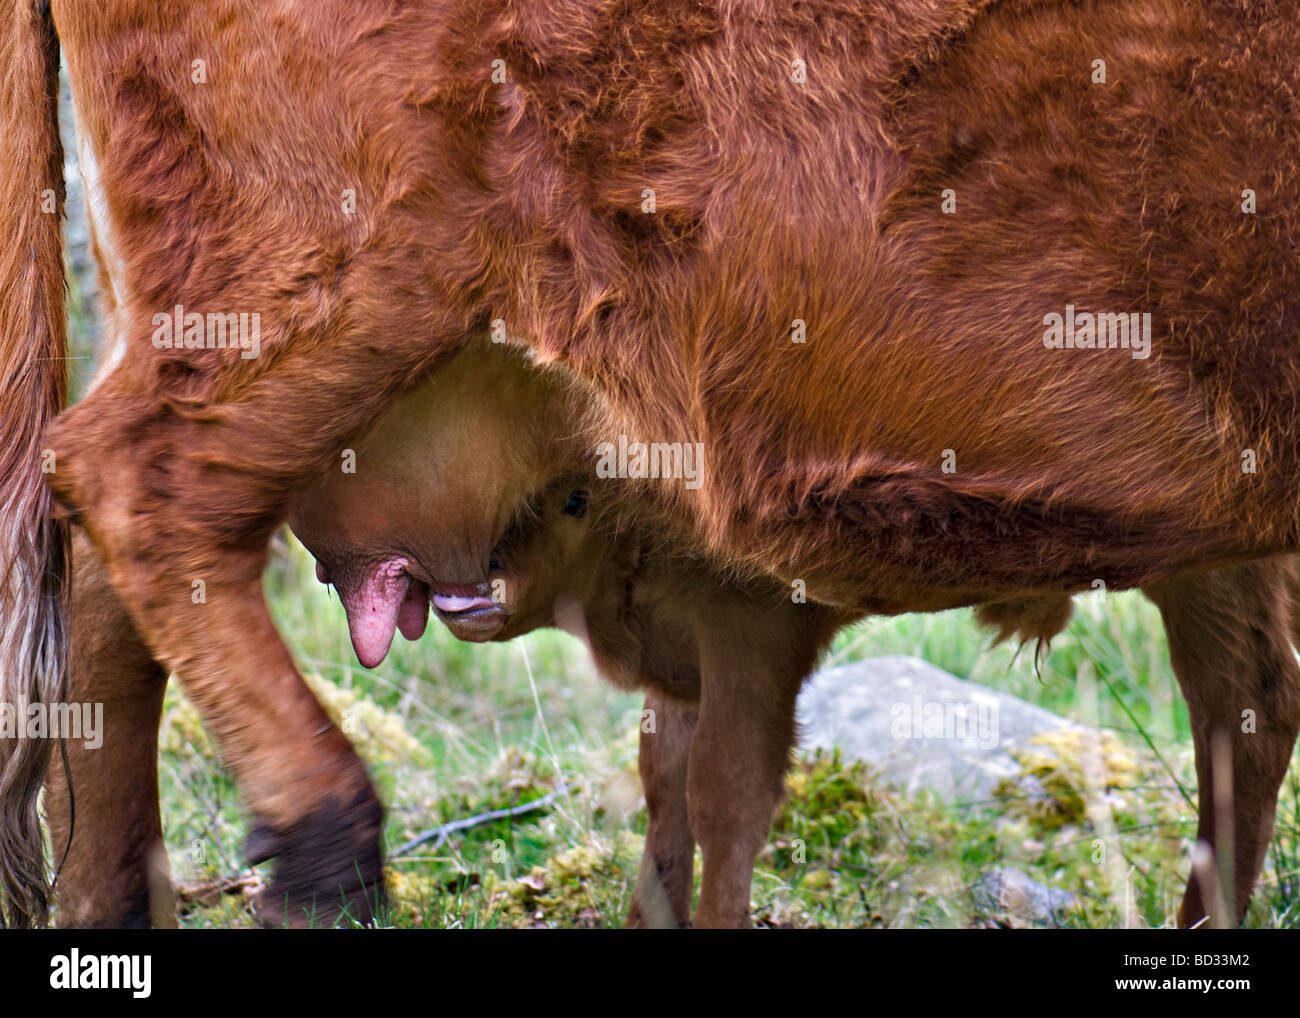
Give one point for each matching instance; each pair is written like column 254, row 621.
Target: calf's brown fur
column 502, row 157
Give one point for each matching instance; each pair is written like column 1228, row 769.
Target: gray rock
column 1007, row 895
column 921, row 726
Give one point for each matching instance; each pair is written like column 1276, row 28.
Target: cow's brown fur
column 521, row 202
column 1232, row 639
column 33, row 388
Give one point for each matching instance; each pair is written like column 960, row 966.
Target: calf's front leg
column 754, row 657
column 664, row 885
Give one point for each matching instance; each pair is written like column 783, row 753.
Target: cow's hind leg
column 1230, row 643
column 180, row 499
column 114, row 873
column 663, row 891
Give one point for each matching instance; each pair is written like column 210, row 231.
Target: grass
column 454, row 730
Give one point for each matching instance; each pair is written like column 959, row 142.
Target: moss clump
column 379, row 736
column 182, row 731
column 572, row 888
column 828, row 843
column 513, row 778
column 827, row 812
column 1061, row 770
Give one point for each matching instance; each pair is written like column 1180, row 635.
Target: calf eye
column 576, row 504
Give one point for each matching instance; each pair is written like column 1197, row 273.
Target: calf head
column 420, row 502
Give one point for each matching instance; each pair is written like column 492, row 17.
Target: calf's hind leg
column 1230, row 644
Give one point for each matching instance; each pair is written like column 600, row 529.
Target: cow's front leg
column 663, row 890
column 753, row 659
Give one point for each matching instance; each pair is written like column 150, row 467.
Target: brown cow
column 821, row 240
column 431, row 484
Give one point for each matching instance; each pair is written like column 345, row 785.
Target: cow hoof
column 329, row 866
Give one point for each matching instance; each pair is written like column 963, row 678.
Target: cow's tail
column 34, row 556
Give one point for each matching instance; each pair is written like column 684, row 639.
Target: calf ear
column 576, row 504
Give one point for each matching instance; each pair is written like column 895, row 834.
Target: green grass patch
column 453, row 730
